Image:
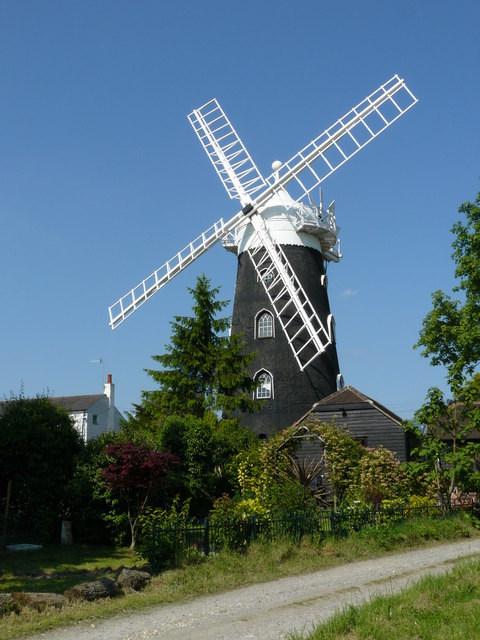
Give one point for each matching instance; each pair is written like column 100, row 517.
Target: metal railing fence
column 168, row 543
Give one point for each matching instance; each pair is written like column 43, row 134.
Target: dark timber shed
column 366, row 419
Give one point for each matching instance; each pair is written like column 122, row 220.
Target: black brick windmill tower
column 283, row 241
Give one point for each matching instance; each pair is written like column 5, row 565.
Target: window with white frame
column 264, row 385
column 266, row 276
column 265, row 325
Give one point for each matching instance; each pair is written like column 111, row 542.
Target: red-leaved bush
column 131, row 473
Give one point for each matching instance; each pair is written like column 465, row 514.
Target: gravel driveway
column 270, row 610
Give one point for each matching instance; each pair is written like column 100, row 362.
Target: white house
column 92, row 414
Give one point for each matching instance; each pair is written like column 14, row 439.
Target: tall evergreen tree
column 203, row 368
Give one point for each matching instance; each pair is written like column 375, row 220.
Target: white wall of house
column 96, row 419
column 93, row 414
column 80, row 422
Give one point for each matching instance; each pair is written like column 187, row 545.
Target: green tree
column 96, row 517
column 39, row 447
column 192, row 440
column 450, row 334
column 203, row 369
column 203, row 378
column 450, row 337
column 445, row 452
column 205, row 447
column 99, row 514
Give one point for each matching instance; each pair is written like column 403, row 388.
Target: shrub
column 381, row 476
column 162, row 535
column 232, row 521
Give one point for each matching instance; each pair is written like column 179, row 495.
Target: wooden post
column 154, row 547
column 206, row 537
column 7, row 507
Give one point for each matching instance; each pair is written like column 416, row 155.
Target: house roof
column 354, row 399
column 68, row 403
column 457, row 407
column 77, row 403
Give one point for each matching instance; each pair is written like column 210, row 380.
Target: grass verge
column 58, row 568
column 435, row 608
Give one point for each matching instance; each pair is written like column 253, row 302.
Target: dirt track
column 270, row 610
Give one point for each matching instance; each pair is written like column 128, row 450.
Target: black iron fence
column 169, row 543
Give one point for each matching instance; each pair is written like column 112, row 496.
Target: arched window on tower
column 264, row 325
column 264, row 381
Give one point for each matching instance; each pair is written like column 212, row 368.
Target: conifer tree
column 203, row 368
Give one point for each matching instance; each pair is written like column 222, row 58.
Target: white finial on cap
column 276, row 165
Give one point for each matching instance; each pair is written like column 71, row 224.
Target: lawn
column 54, row 569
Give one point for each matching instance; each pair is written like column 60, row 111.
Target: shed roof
column 354, row 399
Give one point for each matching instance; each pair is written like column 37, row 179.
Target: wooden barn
column 366, row 419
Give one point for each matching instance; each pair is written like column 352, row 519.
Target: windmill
column 283, row 241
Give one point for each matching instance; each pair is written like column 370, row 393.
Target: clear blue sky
column 103, row 179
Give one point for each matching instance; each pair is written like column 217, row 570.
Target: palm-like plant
column 308, row 472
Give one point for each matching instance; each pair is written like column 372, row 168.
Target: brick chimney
column 109, row 390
